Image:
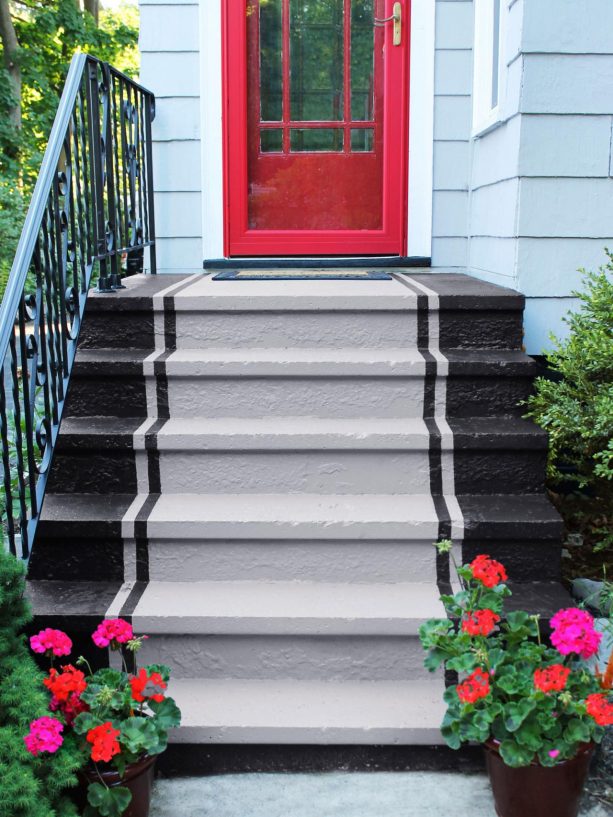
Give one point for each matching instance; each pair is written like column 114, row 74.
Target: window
column 489, row 63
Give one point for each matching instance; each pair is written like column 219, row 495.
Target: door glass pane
column 362, row 60
column 271, row 140
column 316, row 139
column 316, row 60
column 362, row 140
column 271, row 61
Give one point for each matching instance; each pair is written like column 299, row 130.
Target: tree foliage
column 48, row 34
column 576, row 409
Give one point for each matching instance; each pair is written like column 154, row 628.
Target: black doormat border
column 195, row 760
column 394, row 261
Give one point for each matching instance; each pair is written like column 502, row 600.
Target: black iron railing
column 91, row 213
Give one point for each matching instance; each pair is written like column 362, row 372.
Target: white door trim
column 421, row 108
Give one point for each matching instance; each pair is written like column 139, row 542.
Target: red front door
column 316, row 126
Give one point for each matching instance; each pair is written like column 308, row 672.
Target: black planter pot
column 138, row 778
column 535, row 790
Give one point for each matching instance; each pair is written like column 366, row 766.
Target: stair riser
column 490, row 471
column 258, row 657
column 467, row 396
column 73, row 554
column 315, row 560
column 262, row 330
column 284, row 397
column 303, row 471
column 458, row 329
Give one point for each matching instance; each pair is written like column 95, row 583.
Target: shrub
column 576, row 408
column 29, row 786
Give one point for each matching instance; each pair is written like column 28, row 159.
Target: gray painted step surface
column 285, row 608
column 309, row 712
column 299, row 630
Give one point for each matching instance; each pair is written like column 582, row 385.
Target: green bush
column 575, row 407
column 29, row 786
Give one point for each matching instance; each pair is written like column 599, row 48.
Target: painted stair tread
column 293, row 362
column 207, row 295
column 278, row 607
column 303, row 516
column 226, row 433
column 309, row 712
column 82, row 602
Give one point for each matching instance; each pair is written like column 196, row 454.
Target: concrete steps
column 309, row 712
column 254, row 473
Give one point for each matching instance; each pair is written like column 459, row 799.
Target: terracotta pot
column 138, row 778
column 535, row 790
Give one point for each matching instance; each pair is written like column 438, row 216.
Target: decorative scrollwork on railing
column 91, row 211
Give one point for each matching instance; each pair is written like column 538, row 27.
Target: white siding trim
column 421, row 131
column 211, row 143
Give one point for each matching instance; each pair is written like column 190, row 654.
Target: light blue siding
column 170, row 66
column 452, row 125
column 541, row 190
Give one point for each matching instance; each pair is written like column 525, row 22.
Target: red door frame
column 241, row 241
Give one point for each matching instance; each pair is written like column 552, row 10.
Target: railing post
column 97, row 171
column 149, row 117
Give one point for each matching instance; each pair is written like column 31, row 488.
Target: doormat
column 302, row 275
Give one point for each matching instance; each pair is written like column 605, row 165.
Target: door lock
column 397, row 19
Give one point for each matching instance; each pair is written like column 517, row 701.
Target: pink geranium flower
column 54, row 642
column 112, row 631
column 573, row 631
column 44, row 736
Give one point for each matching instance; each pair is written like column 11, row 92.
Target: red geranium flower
column 104, row 742
column 62, row 685
column 600, row 708
column 476, row 686
column 147, row 686
column 69, row 708
column 551, row 679
column 488, row 571
column 480, row 622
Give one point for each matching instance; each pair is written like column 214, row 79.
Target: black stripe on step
column 161, row 385
column 153, row 457
column 443, row 576
column 170, row 316
column 140, row 537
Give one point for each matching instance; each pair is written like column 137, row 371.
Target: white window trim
column 421, row 113
column 485, row 117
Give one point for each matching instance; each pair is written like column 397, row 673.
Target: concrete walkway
column 378, row 794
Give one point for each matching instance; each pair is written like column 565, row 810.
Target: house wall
column 170, row 66
column 452, row 130
column 541, row 186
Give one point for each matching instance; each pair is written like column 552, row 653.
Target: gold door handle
column 397, row 18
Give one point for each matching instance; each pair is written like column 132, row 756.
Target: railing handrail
column 48, row 168
column 92, row 202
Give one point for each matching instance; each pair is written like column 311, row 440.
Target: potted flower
column 536, row 707
column 120, row 718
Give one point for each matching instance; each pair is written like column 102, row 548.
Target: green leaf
column 166, row 713
column 109, row 802
column 138, row 735
column 529, row 735
column 516, row 713
column 465, row 662
column 577, row 731
column 515, row 755
column 84, row 722
column 433, row 660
